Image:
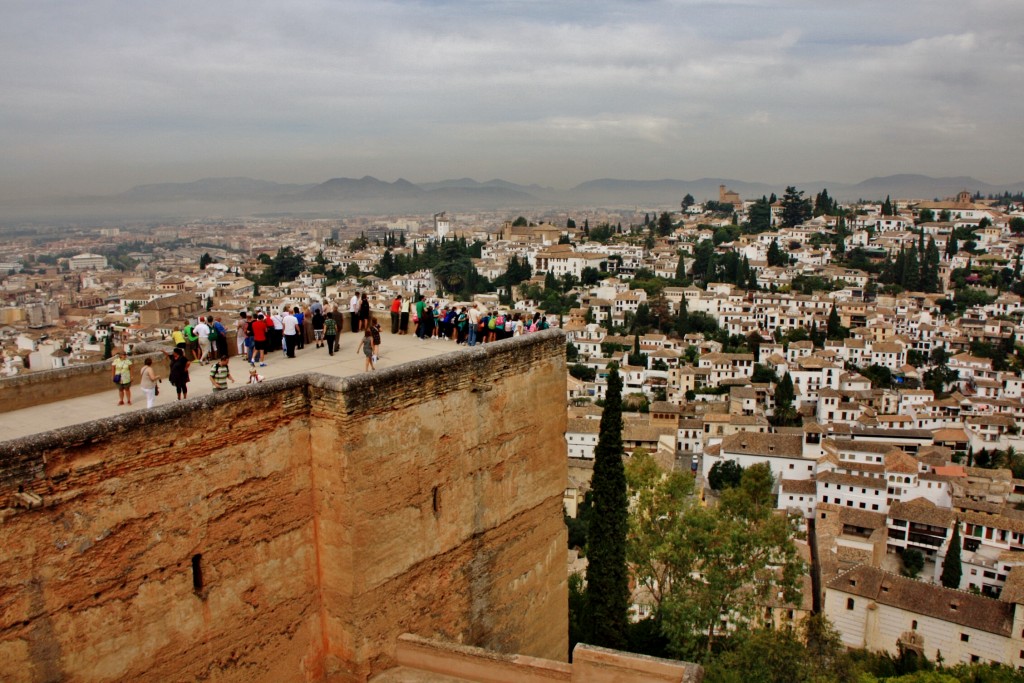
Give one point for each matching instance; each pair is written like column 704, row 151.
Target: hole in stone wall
column 437, row 501
column 197, row 573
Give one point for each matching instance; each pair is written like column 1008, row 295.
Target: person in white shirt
column 474, row 323
column 277, row 319
column 353, row 311
column 202, row 330
column 290, row 325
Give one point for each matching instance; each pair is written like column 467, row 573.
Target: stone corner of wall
column 590, row 662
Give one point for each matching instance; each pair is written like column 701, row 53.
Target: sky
column 97, row 96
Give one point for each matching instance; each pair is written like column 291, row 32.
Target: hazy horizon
column 100, row 97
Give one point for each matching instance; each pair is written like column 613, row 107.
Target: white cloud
column 766, row 89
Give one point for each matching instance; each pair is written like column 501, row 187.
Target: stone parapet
column 425, row 660
column 46, row 386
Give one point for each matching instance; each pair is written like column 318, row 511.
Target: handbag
column 117, row 378
column 156, row 390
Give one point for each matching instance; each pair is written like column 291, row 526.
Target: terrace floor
column 394, row 350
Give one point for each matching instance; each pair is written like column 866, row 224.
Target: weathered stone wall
column 330, row 516
column 98, row 582
column 448, row 503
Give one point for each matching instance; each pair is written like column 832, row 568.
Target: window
column 197, row 574
column 964, row 638
column 913, row 625
column 849, row 603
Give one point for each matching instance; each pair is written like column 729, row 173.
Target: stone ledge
column 428, row 660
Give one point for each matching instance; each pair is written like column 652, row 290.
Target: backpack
column 490, row 323
column 213, row 334
column 248, row 329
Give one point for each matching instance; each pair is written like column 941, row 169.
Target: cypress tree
column 784, row 393
column 951, row 568
column 834, row 327
column 607, row 577
column 681, row 267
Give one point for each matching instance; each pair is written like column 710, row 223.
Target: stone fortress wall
column 292, row 530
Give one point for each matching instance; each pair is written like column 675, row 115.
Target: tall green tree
column 834, row 327
column 607, row 576
column 823, row 204
column 776, row 257
column 795, row 208
column 657, row 498
column 952, row 246
column 930, row 282
column 665, row 225
column 887, row 208
column 952, row 570
column 759, row 217
column 681, row 268
column 784, row 395
column 729, row 562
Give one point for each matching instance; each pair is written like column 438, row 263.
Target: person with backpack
column 249, row 342
column 220, row 373
column 499, row 326
column 492, row 327
column 221, row 340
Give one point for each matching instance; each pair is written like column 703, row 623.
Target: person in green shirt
column 191, row 342
column 330, row 334
column 220, row 373
column 420, row 305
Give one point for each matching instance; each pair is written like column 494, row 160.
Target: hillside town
column 866, row 352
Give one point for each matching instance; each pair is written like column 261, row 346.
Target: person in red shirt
column 396, row 313
column 259, row 335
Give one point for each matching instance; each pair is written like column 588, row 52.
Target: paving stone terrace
column 395, row 350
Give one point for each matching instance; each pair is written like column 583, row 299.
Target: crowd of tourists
column 258, row 334
column 467, row 324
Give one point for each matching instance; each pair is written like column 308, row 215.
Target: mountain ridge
column 241, row 195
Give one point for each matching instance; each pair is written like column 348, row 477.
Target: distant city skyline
column 99, row 97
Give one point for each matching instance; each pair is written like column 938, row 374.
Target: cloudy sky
column 100, row 95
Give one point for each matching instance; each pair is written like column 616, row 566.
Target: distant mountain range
column 602, row 192
column 241, row 196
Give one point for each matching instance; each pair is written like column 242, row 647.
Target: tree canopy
column 795, row 208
